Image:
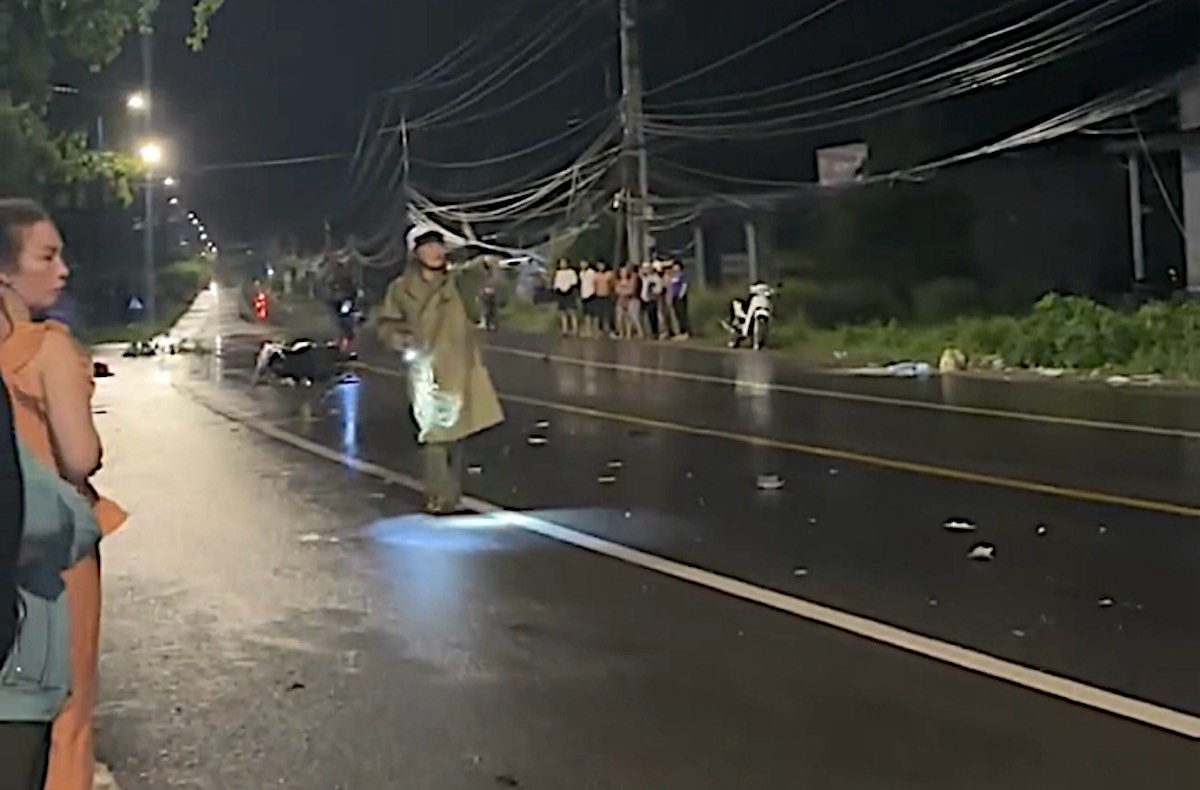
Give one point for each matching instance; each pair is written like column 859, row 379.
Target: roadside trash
column 770, row 482
column 606, row 480
column 139, row 348
column 1050, row 373
column 474, row 469
column 982, row 552
column 310, row 537
column 1106, row 602
column 100, row 370
column 952, row 361
column 800, row 572
column 538, row 441
column 1042, row 530
column 957, row 525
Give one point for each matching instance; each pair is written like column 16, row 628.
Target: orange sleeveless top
column 30, row 420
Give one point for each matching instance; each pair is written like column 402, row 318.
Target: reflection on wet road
column 858, row 558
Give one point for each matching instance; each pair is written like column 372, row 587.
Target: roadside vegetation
column 864, row 322
column 178, row 285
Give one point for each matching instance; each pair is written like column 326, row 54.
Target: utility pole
column 148, row 272
column 635, row 166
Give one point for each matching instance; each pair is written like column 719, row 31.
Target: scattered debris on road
column 1106, row 602
column 606, row 480
column 982, row 552
column 475, row 470
column 800, row 572
column 1042, row 530
column 538, row 441
column 770, row 482
column 959, row 525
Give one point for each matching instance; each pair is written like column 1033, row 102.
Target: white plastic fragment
column 800, row 572
column 606, row 480
column 959, row 525
column 769, row 482
column 475, row 469
column 538, row 441
column 1018, row 633
column 982, row 552
column 310, row 537
column 1042, row 530
column 542, row 425
column 616, row 465
column 1106, row 602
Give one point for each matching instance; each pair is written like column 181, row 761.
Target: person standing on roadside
column 677, row 298
column 605, row 307
column 650, row 292
column 629, row 306
column 424, row 316
column 50, row 380
column 566, row 296
column 587, row 297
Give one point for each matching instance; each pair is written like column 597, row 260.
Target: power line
column 261, row 163
column 519, row 153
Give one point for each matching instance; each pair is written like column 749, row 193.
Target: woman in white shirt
column 587, row 294
column 566, row 294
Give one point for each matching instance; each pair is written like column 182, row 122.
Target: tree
column 34, row 36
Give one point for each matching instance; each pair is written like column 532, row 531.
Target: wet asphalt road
column 274, row 619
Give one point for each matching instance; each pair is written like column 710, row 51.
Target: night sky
column 293, row 79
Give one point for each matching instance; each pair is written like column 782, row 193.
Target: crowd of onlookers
column 647, row 301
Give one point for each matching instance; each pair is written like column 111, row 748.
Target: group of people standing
column 51, row 518
column 647, row 301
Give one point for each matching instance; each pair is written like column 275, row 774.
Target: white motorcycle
column 750, row 319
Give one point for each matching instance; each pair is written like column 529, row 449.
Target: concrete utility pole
column 1134, row 166
column 1189, row 121
column 635, row 166
column 148, row 272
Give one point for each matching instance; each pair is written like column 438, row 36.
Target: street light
column 169, row 182
column 151, row 153
column 174, row 201
column 137, row 102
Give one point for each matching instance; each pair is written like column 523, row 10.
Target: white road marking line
column 858, row 397
column 944, row 652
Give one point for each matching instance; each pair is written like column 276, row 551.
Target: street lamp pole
column 148, row 272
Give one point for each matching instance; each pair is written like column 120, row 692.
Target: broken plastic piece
column 959, row 525
column 1018, row 633
column 616, row 464
column 982, row 552
column 770, row 482
column 310, row 537
column 538, row 441
column 800, row 572
column 542, row 425
column 474, row 469
column 1106, row 602
column 1042, row 530
column 606, row 480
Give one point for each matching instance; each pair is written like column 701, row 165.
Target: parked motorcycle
column 750, row 319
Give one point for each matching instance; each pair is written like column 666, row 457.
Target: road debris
column 800, row 572
column 538, row 441
column 475, row 469
column 542, row 425
column 616, row 465
column 982, row 552
column 769, row 482
column 1106, row 602
column 1042, row 530
column 959, row 525
column 606, row 480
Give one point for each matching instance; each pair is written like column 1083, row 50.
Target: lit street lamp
column 137, row 102
column 169, row 182
column 151, row 154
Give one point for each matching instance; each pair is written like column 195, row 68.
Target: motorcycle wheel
column 760, row 333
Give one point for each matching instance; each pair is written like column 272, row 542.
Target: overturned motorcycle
column 302, row 362
column 750, row 319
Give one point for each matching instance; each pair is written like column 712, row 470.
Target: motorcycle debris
column 800, row 572
column 614, row 465
column 959, row 525
column 770, row 482
column 538, row 441
column 606, row 480
column 1042, row 530
column 474, row 469
column 1106, row 602
column 982, row 552
column 542, row 425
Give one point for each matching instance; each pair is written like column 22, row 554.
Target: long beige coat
column 432, row 316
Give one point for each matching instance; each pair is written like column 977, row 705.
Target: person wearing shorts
column 587, row 296
column 566, row 296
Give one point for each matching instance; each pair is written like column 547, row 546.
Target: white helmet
column 419, row 234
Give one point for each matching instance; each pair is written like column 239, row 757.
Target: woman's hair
column 16, row 215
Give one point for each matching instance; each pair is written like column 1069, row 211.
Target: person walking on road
column 49, row 378
column 566, row 295
column 424, row 316
column 47, row 528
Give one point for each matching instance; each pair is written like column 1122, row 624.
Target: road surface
column 630, row 609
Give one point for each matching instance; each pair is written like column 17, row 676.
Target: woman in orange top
column 49, row 378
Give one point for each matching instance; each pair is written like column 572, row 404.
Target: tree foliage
column 35, row 35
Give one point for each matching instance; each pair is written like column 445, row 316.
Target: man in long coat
column 425, row 317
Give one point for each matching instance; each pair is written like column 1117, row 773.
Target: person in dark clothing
column 12, row 505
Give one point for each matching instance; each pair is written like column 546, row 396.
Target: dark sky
column 293, row 79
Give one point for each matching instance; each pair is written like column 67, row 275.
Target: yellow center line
column 880, row 462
